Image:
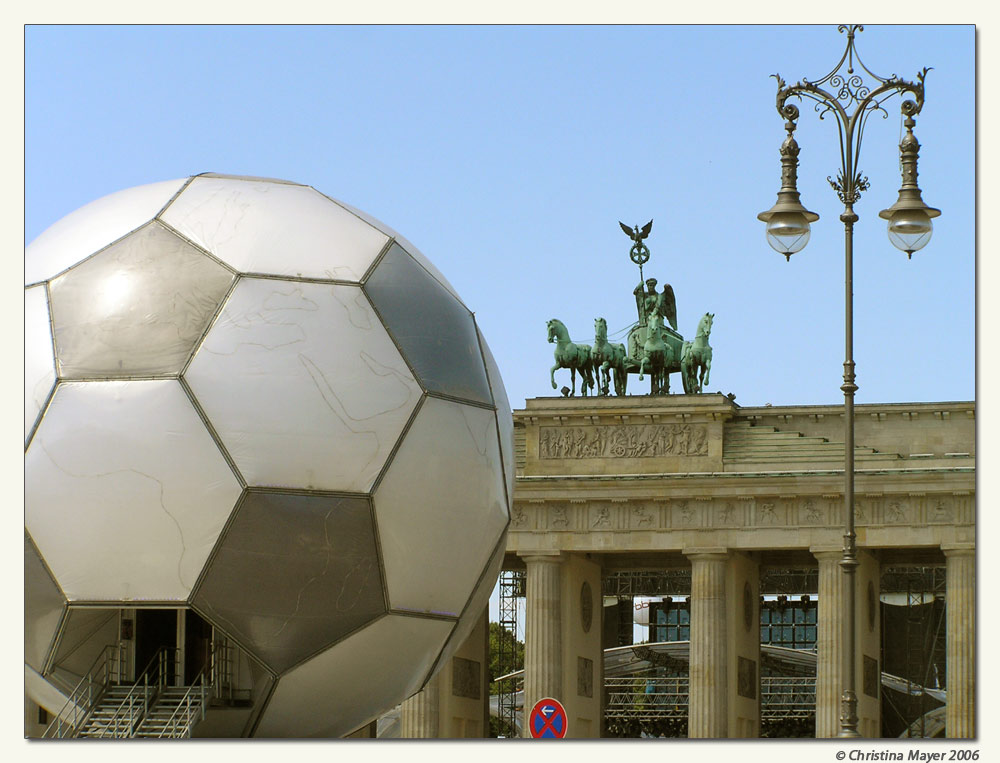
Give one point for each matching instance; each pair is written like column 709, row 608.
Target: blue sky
column 509, row 154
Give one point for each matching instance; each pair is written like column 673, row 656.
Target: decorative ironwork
column 852, row 102
column 859, row 184
column 841, row 90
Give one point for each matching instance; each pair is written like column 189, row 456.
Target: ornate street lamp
column 909, row 230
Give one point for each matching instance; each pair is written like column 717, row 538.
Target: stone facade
column 698, row 481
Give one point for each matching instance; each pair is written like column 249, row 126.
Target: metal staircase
column 107, row 718
column 175, row 713
column 93, row 686
column 150, row 707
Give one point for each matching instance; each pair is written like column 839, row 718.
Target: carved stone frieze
column 630, row 441
column 726, row 514
column 811, row 513
column 941, row 511
column 896, row 512
column 584, row 677
column 746, row 678
column 684, row 513
column 642, row 517
column 558, row 518
column 767, row 513
column 600, row 518
column 466, row 678
column 870, row 680
column 519, row 520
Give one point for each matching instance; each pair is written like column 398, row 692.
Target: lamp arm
column 850, row 183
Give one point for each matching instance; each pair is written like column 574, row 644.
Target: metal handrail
column 226, row 671
column 112, row 654
column 130, row 709
column 172, row 723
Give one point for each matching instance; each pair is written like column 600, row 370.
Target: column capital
column 551, row 557
column 827, row 553
column 708, row 553
column 958, row 549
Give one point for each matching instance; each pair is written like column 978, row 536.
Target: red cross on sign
column 547, row 719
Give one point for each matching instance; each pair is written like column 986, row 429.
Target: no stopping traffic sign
column 547, row 719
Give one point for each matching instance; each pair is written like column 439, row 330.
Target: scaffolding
column 918, row 654
column 511, row 588
column 655, row 695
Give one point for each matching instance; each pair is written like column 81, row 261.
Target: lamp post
column 851, row 101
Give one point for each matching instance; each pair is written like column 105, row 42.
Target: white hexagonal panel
column 448, row 444
column 116, row 513
column 479, row 599
column 136, row 309
column 275, row 229
column 94, row 226
column 39, row 362
column 364, row 675
column 303, row 385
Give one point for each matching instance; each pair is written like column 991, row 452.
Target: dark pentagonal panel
column 293, row 574
column 435, row 331
column 84, row 636
column 505, row 419
column 43, row 608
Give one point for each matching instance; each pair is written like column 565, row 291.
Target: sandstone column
column 418, row 716
column 542, row 630
column 960, row 603
column 708, row 687
column 829, row 641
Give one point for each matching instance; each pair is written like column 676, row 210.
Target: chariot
column 654, row 346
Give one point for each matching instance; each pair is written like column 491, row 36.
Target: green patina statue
column 609, row 360
column 648, row 302
column 656, row 356
column 653, row 345
column 575, row 357
column 696, row 357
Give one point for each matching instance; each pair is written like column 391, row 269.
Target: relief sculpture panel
column 638, row 441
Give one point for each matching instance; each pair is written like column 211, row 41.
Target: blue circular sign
column 547, row 719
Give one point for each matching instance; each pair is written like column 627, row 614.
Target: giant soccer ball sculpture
column 248, row 401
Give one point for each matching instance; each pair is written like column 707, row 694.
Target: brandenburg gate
column 698, row 482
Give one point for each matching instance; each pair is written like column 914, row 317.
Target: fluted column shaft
column 418, row 717
column 960, row 603
column 708, row 685
column 829, row 643
column 542, row 630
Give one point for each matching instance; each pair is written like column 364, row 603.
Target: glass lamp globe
column 910, row 229
column 788, row 232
